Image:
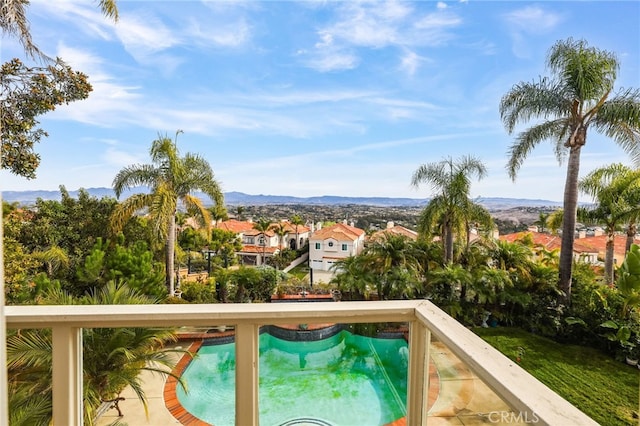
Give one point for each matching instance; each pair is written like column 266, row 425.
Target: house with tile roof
column 394, row 229
column 586, row 248
column 258, row 246
column 333, row 243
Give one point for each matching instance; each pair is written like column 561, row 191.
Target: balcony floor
column 462, row 399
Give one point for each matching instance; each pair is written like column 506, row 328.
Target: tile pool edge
column 186, row 418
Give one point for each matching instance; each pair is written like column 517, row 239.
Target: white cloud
column 376, row 25
column 119, row 159
column 533, row 20
column 410, row 62
column 441, row 5
column 528, row 21
column 230, row 34
column 144, row 35
column 85, row 16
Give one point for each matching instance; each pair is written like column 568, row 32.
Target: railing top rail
column 514, row 385
column 530, row 399
column 88, row 316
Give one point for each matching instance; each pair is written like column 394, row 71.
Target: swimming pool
column 343, row 380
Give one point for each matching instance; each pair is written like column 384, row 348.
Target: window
column 317, row 246
column 330, row 243
column 261, row 241
column 344, row 247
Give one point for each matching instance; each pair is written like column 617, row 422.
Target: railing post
column 67, row 376
column 247, row 380
column 418, row 374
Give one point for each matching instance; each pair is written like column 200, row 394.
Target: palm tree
column 541, row 223
column 171, row 179
column 396, row 263
column 13, row 21
column 280, row 229
column 577, row 98
column 608, row 186
column 353, row 277
column 262, row 225
column 451, row 207
column 113, row 359
column 53, row 258
column 296, row 221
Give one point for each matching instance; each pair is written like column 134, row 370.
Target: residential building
column 586, row 248
column 333, row 243
column 394, row 229
column 257, row 246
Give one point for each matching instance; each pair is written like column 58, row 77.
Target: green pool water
column 344, row 380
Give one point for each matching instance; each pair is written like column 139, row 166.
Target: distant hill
column 239, row 198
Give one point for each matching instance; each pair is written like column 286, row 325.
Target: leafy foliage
column 112, row 359
column 172, row 180
column 133, row 264
column 26, row 93
column 576, row 98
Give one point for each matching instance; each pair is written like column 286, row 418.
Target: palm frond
column 109, row 9
column 527, row 140
column 526, row 101
column 588, row 71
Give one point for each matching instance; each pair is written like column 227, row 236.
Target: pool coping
column 180, row 413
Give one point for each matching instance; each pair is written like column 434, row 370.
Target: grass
column 603, row 388
column 300, row 271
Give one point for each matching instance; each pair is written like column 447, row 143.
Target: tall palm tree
column 450, row 207
column 353, row 277
column 541, row 223
column 263, row 225
column 608, row 187
column 171, row 179
column 296, row 221
column 280, row 229
column 13, row 21
column 396, row 262
column 577, row 98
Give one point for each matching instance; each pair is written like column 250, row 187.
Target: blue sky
column 310, row 98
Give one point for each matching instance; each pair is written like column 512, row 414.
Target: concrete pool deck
column 456, row 397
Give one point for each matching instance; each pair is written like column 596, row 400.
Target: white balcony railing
column 523, row 393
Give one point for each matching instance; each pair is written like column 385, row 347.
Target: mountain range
column 239, row 198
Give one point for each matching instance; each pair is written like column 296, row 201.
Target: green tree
column 225, row 244
column 28, row 92
column 171, row 179
column 353, row 277
column 575, row 99
column 112, row 359
column 395, row 262
column 280, row 229
column 114, row 262
column 608, row 186
column 450, row 208
column 296, row 221
column 53, row 258
column 262, row 225
column 541, row 223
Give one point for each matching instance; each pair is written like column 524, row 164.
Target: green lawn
column 300, row 271
column 603, row 388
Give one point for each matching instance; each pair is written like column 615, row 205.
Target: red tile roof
column 258, row 249
column 396, row 230
column 591, row 244
column 339, row 231
column 235, row 226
